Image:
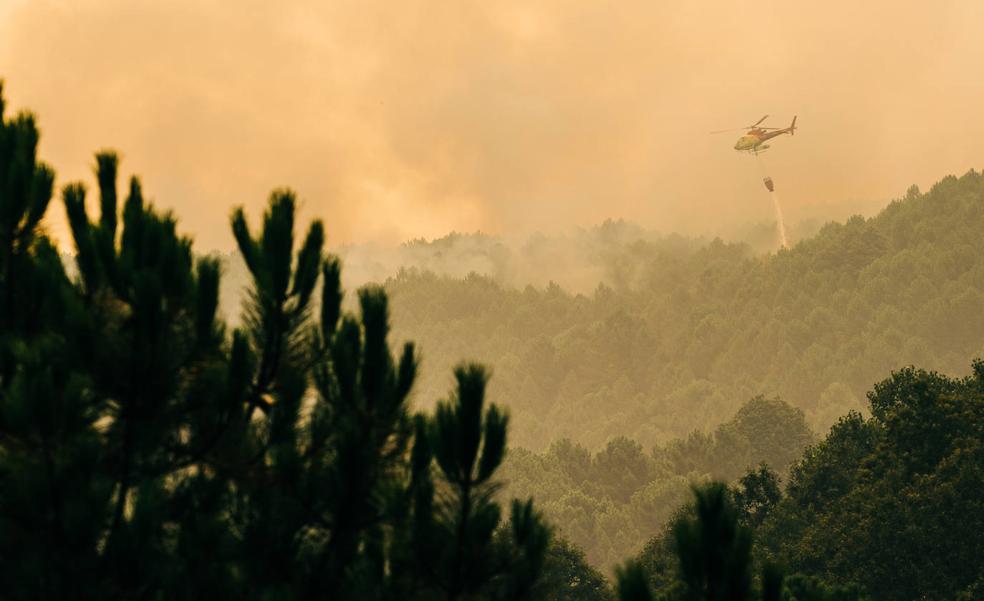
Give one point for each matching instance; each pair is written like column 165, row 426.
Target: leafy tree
column 622, row 468
column 885, row 503
column 568, row 576
column 762, row 430
column 756, row 495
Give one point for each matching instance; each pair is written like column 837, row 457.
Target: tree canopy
column 683, row 333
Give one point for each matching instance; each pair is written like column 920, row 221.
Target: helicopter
column 754, row 139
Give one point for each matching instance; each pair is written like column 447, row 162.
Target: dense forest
column 609, row 503
column 683, row 334
column 707, row 324
column 150, row 450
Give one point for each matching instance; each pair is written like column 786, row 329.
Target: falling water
column 779, row 220
column 780, row 223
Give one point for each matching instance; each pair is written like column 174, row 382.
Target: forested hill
column 699, row 332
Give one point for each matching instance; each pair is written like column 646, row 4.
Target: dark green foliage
column 659, row 557
column 26, row 187
column 568, row 576
column 772, row 583
column 756, row 494
column 713, row 548
column 704, row 553
column 526, row 555
column 892, row 503
column 134, row 463
column 887, row 506
column 805, row 588
column 459, row 536
column 632, row 583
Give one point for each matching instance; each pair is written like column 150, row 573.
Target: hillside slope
column 694, row 333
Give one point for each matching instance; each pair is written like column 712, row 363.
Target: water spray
column 779, row 220
column 780, row 223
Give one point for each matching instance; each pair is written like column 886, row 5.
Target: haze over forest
column 416, row 119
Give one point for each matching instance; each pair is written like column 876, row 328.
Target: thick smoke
column 615, row 254
column 578, row 261
column 395, row 120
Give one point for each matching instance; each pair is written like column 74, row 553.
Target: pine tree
column 146, row 452
column 632, row 582
column 52, row 498
column 462, row 549
column 713, row 548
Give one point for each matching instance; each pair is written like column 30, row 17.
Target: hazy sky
column 397, row 119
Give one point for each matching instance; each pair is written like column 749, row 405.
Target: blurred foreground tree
column 705, row 554
column 146, row 453
column 710, row 554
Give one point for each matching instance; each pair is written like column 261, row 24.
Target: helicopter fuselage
column 747, row 142
column 755, row 138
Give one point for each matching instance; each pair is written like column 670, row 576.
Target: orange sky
column 401, row 119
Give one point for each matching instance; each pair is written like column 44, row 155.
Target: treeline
column 577, row 260
column 609, row 503
column 694, row 332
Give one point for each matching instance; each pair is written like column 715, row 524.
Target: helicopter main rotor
column 747, row 127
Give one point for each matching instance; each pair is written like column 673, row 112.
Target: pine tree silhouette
column 147, row 452
column 713, row 548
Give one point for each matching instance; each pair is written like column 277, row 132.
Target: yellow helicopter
column 754, row 139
